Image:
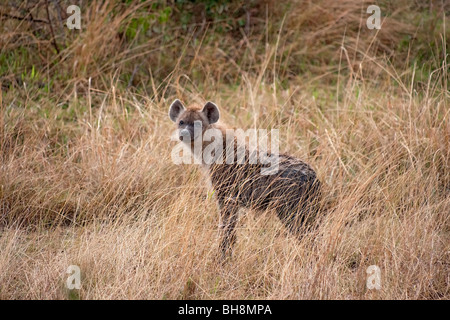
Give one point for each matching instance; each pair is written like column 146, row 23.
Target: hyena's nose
column 185, row 135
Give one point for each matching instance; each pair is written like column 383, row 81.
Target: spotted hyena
column 292, row 190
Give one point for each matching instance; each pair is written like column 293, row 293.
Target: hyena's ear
column 176, row 108
column 211, row 112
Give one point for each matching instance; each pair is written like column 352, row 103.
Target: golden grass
column 89, row 181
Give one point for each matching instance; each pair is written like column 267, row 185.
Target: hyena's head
column 194, row 120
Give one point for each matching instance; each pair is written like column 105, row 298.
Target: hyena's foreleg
column 229, row 216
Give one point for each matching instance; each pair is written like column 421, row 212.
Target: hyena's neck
column 221, row 147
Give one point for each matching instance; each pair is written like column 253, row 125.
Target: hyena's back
column 293, row 191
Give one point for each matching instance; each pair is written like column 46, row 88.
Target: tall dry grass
column 87, row 179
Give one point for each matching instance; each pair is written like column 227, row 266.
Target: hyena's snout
column 185, row 135
column 190, row 132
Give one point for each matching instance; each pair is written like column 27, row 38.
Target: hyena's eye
column 181, row 122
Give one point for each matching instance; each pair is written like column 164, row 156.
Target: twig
column 51, row 29
column 26, row 18
column 130, row 82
